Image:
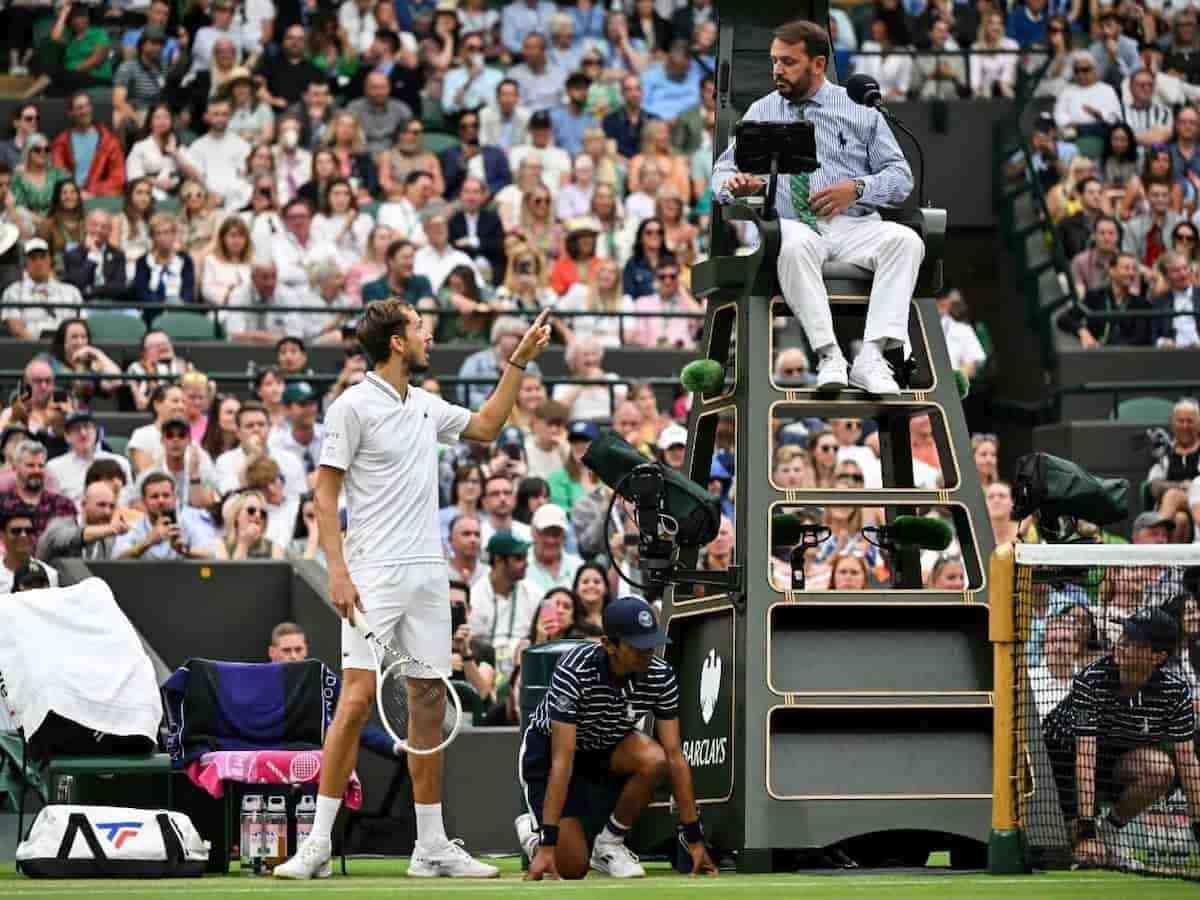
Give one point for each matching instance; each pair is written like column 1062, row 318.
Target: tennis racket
column 404, row 683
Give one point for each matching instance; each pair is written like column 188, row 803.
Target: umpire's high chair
column 820, row 717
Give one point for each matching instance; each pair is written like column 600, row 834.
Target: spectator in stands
column 1146, row 235
column 574, row 480
column 227, row 265
column 881, row 59
column 1185, row 149
column 268, row 386
column 92, row 534
column 438, row 258
column 459, row 161
column 1181, row 330
column 29, row 493
column 157, row 357
column 555, row 162
column 539, row 81
column 994, row 73
column 1115, row 53
column 502, row 605
column 548, row 450
column 263, row 476
column 71, row 350
column 591, row 594
column 95, row 266
column 220, row 434
column 498, row 504
column 1152, row 122
column 477, row 231
column 164, row 275
column 24, row 121
column 999, row 499
column 472, row 84
column 86, row 60
column 90, row 152
column 22, row 316
column 70, row 468
column 520, row 19
column 462, row 560
column 19, row 540
column 649, row 253
column 305, row 542
column 403, row 213
column 145, row 444
column 487, row 363
column 63, row 225
column 941, row 72
column 197, row 393
column 585, row 360
column 672, row 297
column 1049, row 154
column 1089, row 105
column 550, row 566
column 380, row 114
column 1172, row 478
column 625, row 125
column 1183, row 46
column 465, row 491
column 505, row 123
column 253, row 430
column 139, row 82
column 1065, row 648
column 35, row 179
column 188, row 465
column 472, row 659
column 985, row 452
column 1027, row 24
column 672, row 444
column 31, row 409
column 341, row 224
column 167, row 531
column 1090, row 267
column 1120, row 294
column 966, row 352
column 221, row 158
column 287, row 75
column 301, row 434
column 400, row 280
column 1075, row 230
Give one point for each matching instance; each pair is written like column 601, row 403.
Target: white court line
column 727, row 882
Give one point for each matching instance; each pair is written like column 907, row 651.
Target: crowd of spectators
column 1114, row 151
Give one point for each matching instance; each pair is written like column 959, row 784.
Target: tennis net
column 1096, row 742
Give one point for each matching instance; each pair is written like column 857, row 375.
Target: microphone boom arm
column 922, row 197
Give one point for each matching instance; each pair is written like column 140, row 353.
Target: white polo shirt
column 388, row 449
column 71, row 470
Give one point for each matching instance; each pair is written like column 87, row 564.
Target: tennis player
column 583, row 758
column 380, row 443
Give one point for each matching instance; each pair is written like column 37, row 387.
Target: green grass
column 379, row 878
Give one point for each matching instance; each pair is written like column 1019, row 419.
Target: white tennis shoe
column 872, row 373
column 831, row 372
column 310, row 861
column 450, row 860
column 615, row 859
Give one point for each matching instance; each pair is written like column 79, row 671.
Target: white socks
column 614, row 832
column 430, row 830
column 327, row 810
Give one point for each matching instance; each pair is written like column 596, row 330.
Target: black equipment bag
column 1057, row 487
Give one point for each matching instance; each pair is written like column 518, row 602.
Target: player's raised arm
column 485, row 425
column 680, row 774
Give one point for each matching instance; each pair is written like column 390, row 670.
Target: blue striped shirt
column 584, row 693
column 852, row 142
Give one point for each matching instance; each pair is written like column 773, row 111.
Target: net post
column 1006, row 846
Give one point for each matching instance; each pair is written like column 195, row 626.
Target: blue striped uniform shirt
column 852, row 142
column 584, row 693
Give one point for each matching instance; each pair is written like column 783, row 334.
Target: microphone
column 788, row 530
column 703, row 376
column 907, row 532
column 865, row 91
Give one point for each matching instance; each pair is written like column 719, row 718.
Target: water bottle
column 275, row 843
column 66, row 786
column 251, row 828
column 306, row 814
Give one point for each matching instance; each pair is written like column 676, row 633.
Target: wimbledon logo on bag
column 119, row 832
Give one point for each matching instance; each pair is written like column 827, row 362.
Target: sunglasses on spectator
column 20, row 531
column 30, row 117
column 1190, row 238
column 175, row 433
column 38, row 149
column 257, row 511
column 653, row 231
column 846, row 476
column 668, row 276
column 827, row 448
column 792, row 370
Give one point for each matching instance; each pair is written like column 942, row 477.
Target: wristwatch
column 860, row 188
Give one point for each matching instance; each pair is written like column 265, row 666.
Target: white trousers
column 891, row 250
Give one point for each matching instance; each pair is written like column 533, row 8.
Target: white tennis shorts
column 408, row 605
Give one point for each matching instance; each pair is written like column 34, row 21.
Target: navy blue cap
column 583, row 430
column 1153, row 627
column 631, row 620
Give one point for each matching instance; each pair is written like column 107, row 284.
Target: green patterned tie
column 799, row 186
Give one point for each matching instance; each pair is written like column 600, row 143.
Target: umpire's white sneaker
column 831, row 372
column 615, row 859
column 872, row 373
column 310, row 861
column 448, row 861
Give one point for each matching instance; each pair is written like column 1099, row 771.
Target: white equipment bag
column 69, row 841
